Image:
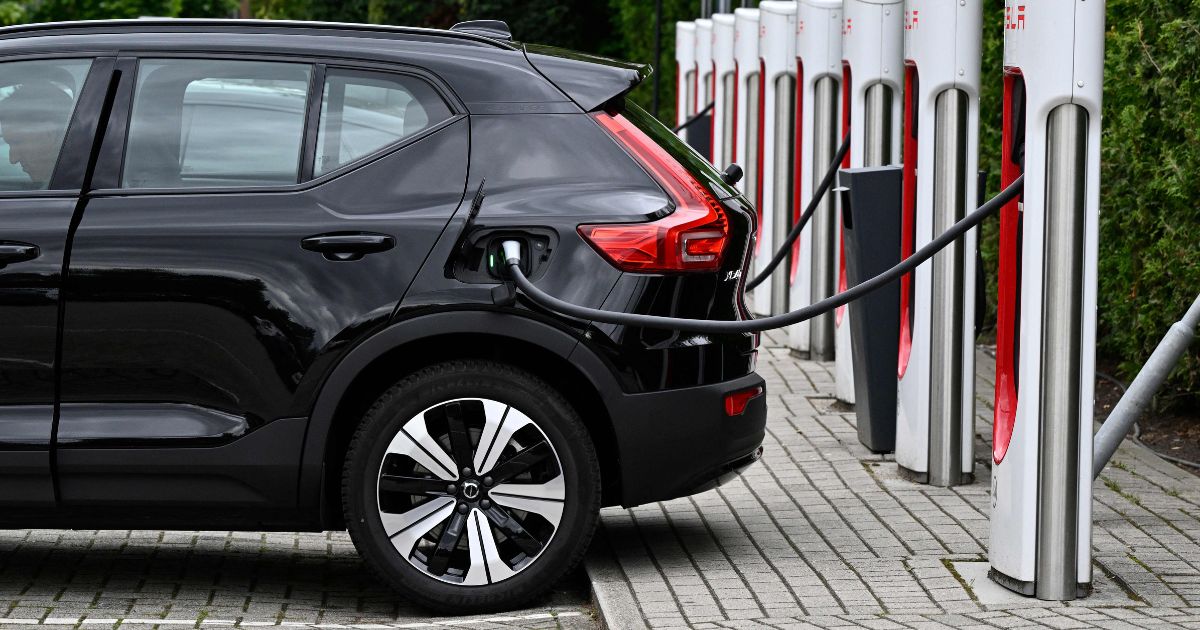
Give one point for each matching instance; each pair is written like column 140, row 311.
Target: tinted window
column 362, row 112
column 202, row 123
column 37, row 99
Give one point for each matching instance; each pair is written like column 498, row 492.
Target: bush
column 1150, row 217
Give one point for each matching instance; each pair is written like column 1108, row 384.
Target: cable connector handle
column 512, row 252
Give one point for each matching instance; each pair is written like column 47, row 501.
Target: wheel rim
column 470, row 491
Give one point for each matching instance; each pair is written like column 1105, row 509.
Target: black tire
column 435, row 395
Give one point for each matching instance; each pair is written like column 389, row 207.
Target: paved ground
column 148, row 579
column 822, row 533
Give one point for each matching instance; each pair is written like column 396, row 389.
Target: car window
column 362, row 112
column 204, row 123
column 37, row 100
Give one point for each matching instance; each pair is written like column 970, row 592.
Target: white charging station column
column 747, row 100
column 685, row 72
column 814, row 259
column 872, row 62
column 725, row 89
column 935, row 419
column 777, row 49
column 1046, row 322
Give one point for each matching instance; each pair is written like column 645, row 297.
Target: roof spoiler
column 589, row 80
column 492, row 29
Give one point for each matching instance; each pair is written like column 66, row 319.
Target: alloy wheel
column 470, row 491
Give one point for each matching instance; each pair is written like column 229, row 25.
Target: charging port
column 483, row 261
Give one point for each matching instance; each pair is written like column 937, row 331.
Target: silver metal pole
column 782, row 213
column 727, row 120
column 1141, row 391
column 824, row 221
column 877, row 138
column 946, row 331
column 1062, row 315
column 706, row 8
column 753, row 97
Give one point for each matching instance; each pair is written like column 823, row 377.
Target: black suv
column 250, row 279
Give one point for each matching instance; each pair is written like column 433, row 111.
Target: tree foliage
column 634, row 21
column 15, row 12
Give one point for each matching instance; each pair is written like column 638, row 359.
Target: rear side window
column 216, row 123
column 362, row 112
column 37, row 100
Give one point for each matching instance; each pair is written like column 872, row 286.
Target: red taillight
column 735, row 402
column 692, row 238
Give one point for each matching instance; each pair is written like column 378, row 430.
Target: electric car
column 251, row 279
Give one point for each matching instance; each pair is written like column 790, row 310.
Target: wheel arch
column 405, row 346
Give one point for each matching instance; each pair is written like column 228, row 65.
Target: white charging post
column 685, row 72
column 777, row 50
column 1046, row 322
column 872, row 69
column 814, row 259
column 747, row 99
column 935, row 429
column 725, row 90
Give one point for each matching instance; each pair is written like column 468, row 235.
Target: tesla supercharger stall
column 814, row 259
column 725, row 90
column 1046, row 322
column 777, row 66
column 685, row 73
column 872, row 69
column 700, row 133
column 936, row 371
column 746, row 99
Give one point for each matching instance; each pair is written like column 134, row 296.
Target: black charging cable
column 700, row 114
column 818, row 194
column 512, row 255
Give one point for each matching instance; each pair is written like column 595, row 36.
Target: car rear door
column 43, row 161
column 267, row 214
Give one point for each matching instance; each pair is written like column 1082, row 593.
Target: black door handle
column 348, row 246
column 11, row 252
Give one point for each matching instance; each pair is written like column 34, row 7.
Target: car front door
column 266, row 215
column 43, row 162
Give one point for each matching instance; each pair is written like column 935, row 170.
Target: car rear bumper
column 679, row 442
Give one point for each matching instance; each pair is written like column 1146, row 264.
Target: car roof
column 162, row 25
column 488, row 75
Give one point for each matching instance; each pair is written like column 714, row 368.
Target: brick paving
column 824, row 534
column 156, row 579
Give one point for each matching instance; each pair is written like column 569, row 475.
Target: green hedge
column 1150, row 217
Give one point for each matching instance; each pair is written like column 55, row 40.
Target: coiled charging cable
column 512, row 255
column 818, row 194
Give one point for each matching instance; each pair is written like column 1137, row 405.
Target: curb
column 611, row 594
